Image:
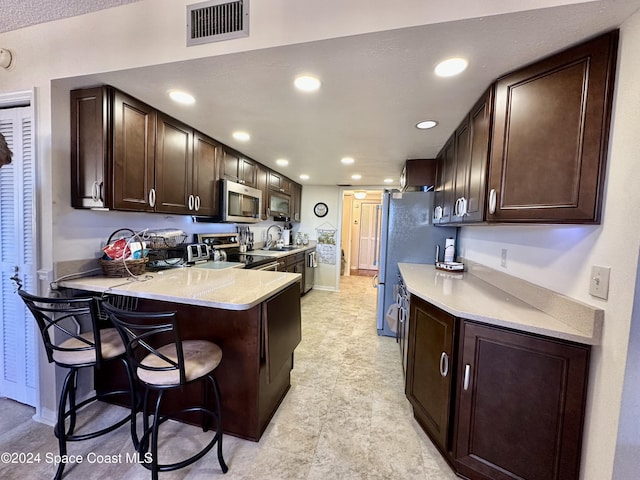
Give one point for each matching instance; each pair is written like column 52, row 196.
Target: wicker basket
column 123, row 268
column 117, row 268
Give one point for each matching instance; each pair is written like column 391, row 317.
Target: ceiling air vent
column 217, row 20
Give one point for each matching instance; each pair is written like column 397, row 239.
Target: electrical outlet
column 503, row 258
column 599, row 283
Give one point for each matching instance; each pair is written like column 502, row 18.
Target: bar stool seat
column 72, row 352
column 200, row 358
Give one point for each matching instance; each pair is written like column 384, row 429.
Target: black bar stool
column 57, row 320
column 162, row 361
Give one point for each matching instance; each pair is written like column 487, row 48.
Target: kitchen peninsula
column 254, row 316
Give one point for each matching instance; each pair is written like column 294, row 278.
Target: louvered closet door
column 17, row 255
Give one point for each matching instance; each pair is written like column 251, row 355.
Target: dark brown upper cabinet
column 262, row 184
column 112, row 150
column 205, row 185
column 443, row 197
column 280, row 183
column 296, row 200
column 174, row 166
column 89, row 148
column 418, row 173
column 238, row 168
column 550, row 136
column 128, row 156
column 472, row 163
column 132, row 157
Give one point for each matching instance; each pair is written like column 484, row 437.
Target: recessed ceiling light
column 242, row 136
column 451, row 67
column 426, row 124
column 360, row 195
column 182, row 97
column 307, row 83
column 388, row 180
column 282, row 162
column 347, row 160
column 356, row 176
column 304, row 176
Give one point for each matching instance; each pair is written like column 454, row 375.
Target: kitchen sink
column 279, row 249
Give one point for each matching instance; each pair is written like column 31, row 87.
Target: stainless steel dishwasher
column 310, row 265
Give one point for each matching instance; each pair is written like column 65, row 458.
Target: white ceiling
column 22, row 13
column 375, row 88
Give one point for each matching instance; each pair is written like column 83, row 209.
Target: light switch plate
column 599, row 283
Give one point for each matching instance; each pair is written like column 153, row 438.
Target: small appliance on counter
column 197, row 253
column 450, row 266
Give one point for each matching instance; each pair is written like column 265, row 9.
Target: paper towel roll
column 449, row 249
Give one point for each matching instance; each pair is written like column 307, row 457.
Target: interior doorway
column 360, row 241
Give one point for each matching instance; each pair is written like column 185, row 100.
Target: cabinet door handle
column 197, row 203
column 463, row 207
column 437, row 213
column 467, row 376
column 444, row 364
column 492, row 201
column 191, row 202
column 94, row 191
column 152, row 197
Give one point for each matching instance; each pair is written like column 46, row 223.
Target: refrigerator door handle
column 374, row 281
column 376, row 253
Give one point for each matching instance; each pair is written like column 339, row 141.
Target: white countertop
column 467, row 296
column 229, row 288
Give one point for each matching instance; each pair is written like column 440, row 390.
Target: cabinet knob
column 492, row 201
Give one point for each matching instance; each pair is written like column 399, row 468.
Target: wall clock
column 320, row 209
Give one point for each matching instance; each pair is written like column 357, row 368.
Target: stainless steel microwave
column 240, row 203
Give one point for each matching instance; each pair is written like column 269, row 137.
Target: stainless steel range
column 226, row 247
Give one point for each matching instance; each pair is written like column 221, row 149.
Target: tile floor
column 345, row 416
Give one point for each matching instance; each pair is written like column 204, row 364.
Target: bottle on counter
column 305, row 239
column 298, row 239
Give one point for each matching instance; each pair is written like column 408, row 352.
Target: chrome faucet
column 270, row 241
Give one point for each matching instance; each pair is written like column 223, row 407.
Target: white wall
column 326, row 275
column 560, row 258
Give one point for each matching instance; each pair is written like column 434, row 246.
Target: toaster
column 197, row 252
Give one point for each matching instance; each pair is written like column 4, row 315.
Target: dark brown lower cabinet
column 521, row 403
column 430, row 369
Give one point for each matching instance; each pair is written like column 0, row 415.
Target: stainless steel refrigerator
column 407, row 236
